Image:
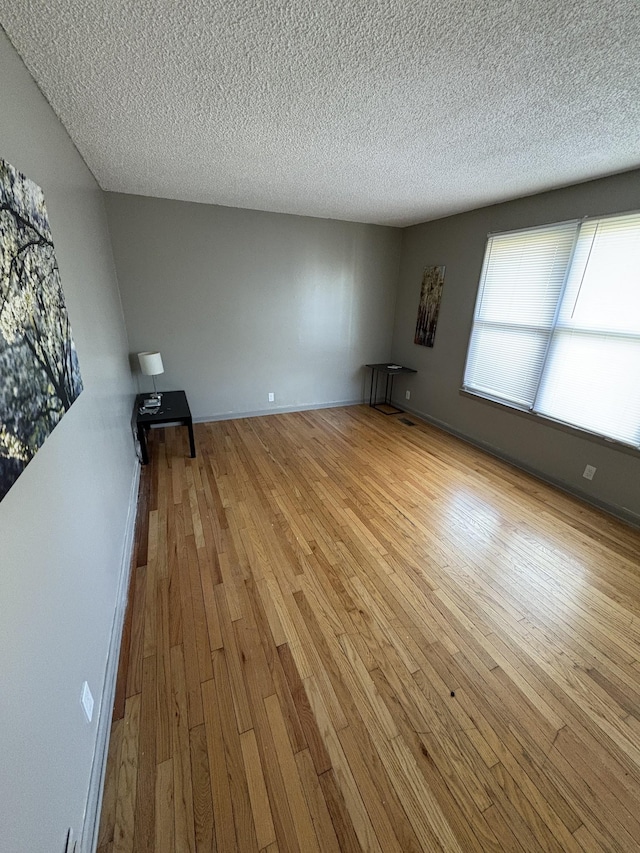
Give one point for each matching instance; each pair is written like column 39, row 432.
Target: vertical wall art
column 430, row 296
column 39, row 371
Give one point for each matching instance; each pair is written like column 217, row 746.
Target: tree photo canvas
column 429, row 306
column 39, row 371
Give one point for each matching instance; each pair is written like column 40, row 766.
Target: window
column 556, row 329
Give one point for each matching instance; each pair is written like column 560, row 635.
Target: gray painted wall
column 242, row 302
column 458, row 242
column 62, row 525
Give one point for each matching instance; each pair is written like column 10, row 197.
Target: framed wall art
column 39, row 370
column 429, row 306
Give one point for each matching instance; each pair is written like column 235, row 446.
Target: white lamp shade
column 151, row 363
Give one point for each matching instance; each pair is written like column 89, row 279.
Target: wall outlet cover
column 272, row 397
column 589, row 471
column 407, row 395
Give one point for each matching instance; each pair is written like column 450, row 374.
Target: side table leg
column 142, row 438
column 192, row 443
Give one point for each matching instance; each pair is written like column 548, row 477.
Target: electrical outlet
column 87, row 701
column 589, row 471
column 272, row 397
column 407, row 395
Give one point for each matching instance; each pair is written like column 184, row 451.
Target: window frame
column 529, row 410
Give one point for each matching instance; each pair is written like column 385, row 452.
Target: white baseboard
column 91, row 822
column 228, row 416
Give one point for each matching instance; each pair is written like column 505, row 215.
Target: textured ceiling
column 370, row 110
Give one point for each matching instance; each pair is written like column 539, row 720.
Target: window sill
column 560, row 425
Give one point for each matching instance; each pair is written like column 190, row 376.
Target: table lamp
column 151, row 365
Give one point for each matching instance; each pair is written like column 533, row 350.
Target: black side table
column 173, row 409
column 388, row 370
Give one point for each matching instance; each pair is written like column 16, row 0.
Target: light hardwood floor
column 346, row 633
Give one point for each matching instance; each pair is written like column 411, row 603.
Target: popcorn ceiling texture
column 370, row 110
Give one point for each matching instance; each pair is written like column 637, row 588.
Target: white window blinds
column 522, row 278
column 557, row 324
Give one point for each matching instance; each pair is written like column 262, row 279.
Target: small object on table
column 174, row 409
column 390, row 371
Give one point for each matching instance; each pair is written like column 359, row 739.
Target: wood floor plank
column 232, row 656
column 201, row 633
column 209, row 601
column 348, row 634
column 183, row 798
column 163, row 674
column 383, row 827
column 350, row 797
column 124, row 826
column 149, row 632
column 222, row 802
column 193, row 657
column 339, row 813
column 260, row 808
column 201, row 785
column 133, row 670
column 125, row 647
column 108, row 817
column 317, row 803
column 305, row 832
column 147, row 767
column 164, row 840
column 311, row 736
column 286, row 836
column 176, row 561
column 268, row 667
column 360, row 739
column 236, row 775
column 586, row 841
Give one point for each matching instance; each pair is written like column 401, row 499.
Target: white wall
column 62, row 525
column 243, row 302
column 557, row 453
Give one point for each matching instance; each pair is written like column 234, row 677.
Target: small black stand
column 174, row 408
column 390, row 371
